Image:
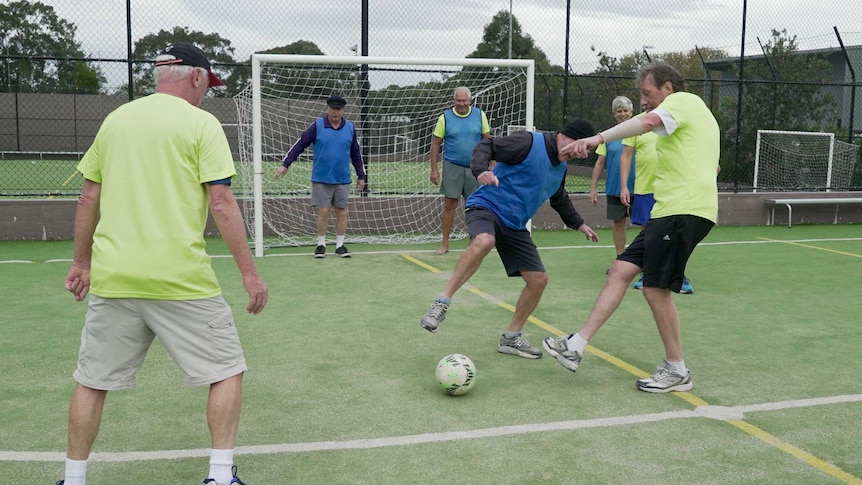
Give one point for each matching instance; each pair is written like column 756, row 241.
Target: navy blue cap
column 335, row 101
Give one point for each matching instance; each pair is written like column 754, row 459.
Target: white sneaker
column 666, row 379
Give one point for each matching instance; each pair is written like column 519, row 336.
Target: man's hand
column 435, row 176
column 280, row 171
column 487, row 178
column 258, row 293
column 581, row 148
column 360, row 184
column 78, row 280
column 591, row 235
column 625, row 196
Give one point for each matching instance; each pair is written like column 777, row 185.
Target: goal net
column 394, row 104
column 799, row 160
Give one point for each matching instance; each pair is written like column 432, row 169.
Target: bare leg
column 619, row 278
column 322, row 220
column 85, row 416
column 447, row 220
column 340, row 221
column 469, row 262
column 529, row 299
column 667, row 320
column 223, row 409
column 619, row 234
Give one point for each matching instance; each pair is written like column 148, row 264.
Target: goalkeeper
column 335, row 148
column 530, row 169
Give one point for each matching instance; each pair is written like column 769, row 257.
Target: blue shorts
column 641, row 208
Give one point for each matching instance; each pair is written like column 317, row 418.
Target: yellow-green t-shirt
column 440, row 127
column 644, row 148
column 685, row 177
column 152, row 157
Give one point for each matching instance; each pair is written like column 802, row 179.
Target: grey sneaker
column 432, row 318
column 666, row 379
column 570, row 359
column 518, row 346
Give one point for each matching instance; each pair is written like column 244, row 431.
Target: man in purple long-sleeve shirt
column 335, row 143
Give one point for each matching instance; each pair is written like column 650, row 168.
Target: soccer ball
column 456, row 374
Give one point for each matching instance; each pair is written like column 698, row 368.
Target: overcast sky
column 453, row 28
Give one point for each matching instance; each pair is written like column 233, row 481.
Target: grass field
column 341, row 383
column 58, row 178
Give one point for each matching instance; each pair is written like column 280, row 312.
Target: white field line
column 543, row 248
column 721, row 413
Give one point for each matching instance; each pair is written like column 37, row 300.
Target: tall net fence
column 64, row 64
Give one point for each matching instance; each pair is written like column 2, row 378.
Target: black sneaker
column 342, row 251
column 320, row 251
column 234, row 480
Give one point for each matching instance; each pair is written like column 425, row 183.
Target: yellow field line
column 690, row 398
column 65, row 182
column 854, row 255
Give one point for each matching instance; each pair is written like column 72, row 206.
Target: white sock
column 221, row 462
column 76, row 472
column 321, row 240
column 576, row 342
column 678, row 366
column 339, row 240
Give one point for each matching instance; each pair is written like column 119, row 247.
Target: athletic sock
column 444, row 299
column 76, row 472
column 510, row 334
column 221, row 462
column 339, row 240
column 678, row 366
column 321, row 240
column 576, row 342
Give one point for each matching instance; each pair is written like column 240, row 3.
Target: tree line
column 42, row 55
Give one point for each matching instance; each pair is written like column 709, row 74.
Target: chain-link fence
column 792, row 66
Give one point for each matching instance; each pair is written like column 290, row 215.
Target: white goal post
column 802, row 160
column 393, row 104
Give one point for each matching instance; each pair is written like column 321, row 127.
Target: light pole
column 510, row 29
column 647, row 53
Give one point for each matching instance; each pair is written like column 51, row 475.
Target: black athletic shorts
column 663, row 247
column 515, row 247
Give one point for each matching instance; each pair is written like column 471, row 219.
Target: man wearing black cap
column 530, row 169
column 156, row 167
column 335, row 144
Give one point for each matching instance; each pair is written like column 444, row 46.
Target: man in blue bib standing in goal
column 335, row 148
column 458, row 130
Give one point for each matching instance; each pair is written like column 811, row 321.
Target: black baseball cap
column 336, row 101
column 186, row 54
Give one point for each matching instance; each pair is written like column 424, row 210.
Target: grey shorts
column 198, row 334
column 616, row 210
column 329, row 195
column 458, row 181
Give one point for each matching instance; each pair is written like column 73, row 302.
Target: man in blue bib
column 530, row 170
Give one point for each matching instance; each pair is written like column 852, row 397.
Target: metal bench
column 789, row 203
